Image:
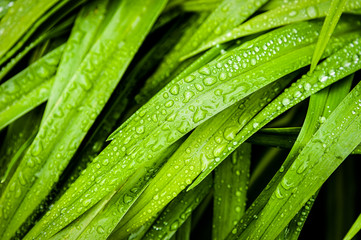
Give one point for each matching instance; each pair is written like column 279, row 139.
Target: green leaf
column 321, row 105
column 28, row 88
column 283, row 15
column 230, row 190
column 17, row 135
column 89, row 89
column 326, row 73
column 355, row 228
column 332, row 17
column 17, row 21
column 222, row 19
column 53, row 32
column 62, row 9
column 190, row 159
column 83, row 35
column 318, row 159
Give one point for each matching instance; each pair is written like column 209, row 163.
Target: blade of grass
column 231, row 179
column 18, row 133
column 113, row 52
column 355, row 228
column 321, row 105
column 58, row 30
column 62, row 9
column 200, row 5
column 328, row 72
column 28, row 88
column 83, row 35
column 303, row 10
column 222, row 19
column 17, row 21
column 158, row 130
column 332, row 17
column 99, row 222
column 318, row 159
column 188, row 161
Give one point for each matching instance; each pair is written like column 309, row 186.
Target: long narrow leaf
column 230, row 190
column 291, row 13
column 333, row 15
column 320, row 157
column 29, row 88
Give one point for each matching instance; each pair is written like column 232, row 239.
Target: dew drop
column 199, row 115
column 174, row 226
column 187, row 96
column 100, row 230
column 199, row 87
column 190, row 78
column 205, row 71
column 169, row 103
column 140, row 129
column 323, row 78
column 37, row 148
column 285, row 101
column 222, row 76
column 174, row 90
column 209, row 81
column 85, row 83
column 22, row 179
column 312, row 11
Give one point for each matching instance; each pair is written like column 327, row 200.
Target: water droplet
column 169, row 103
column 187, row 96
column 307, row 87
column 174, row 90
column 218, row 150
column 253, row 61
column 199, row 115
column 292, row 13
column 278, row 193
column 21, row 178
column 222, row 76
column 42, row 72
column 140, row 129
column 106, row 162
column 199, row 87
column 323, row 78
column 85, row 82
column 312, row 11
column 205, row 71
column 229, row 133
column 37, row 148
column 127, row 199
column 302, row 167
column 86, row 202
column 286, row 101
column 174, row 226
column 190, row 78
column 30, row 163
column 100, row 230
column 209, row 81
